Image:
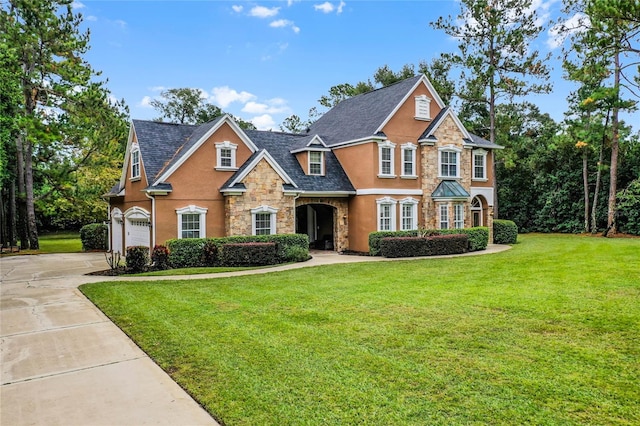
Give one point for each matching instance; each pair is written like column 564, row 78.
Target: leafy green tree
column 61, row 103
column 609, row 39
column 188, row 106
column 495, row 55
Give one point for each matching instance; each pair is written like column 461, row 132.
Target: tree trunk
column 492, row 127
column 31, row 211
column 615, row 145
column 13, row 230
column 21, row 196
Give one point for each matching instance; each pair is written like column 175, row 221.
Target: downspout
column 153, row 218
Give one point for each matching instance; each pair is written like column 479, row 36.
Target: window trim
column 230, row 146
column 264, row 209
column 193, row 209
column 479, row 153
column 321, row 162
column 413, row 203
column 386, row 201
column 409, row 147
column 449, row 149
column 136, row 165
column 381, row 147
column 443, row 216
column 458, row 216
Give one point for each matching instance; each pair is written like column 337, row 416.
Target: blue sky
column 263, row 61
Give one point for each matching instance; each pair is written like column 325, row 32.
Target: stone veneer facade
column 340, row 218
column 447, row 134
column 263, row 188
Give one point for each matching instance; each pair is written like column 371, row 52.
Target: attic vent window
column 226, row 156
column 423, row 108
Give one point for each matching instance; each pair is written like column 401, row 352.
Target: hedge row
column 504, row 231
column 194, row 252
column 478, row 237
column 424, row 246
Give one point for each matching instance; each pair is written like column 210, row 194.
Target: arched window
column 476, row 211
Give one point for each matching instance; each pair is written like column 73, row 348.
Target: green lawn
column 545, row 333
column 64, row 242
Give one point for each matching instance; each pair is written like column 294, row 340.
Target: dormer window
column 135, row 162
column 423, row 108
column 226, row 156
column 316, row 163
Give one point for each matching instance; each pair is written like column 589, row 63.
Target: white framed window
column 408, row 214
column 386, row 214
column 192, row 222
column 409, row 160
column 480, row 165
column 226, row 156
column 386, row 155
column 135, row 162
column 423, row 108
column 263, row 220
column 448, row 162
column 316, row 163
column 443, row 220
column 458, row 216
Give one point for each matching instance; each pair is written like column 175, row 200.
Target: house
column 396, row 158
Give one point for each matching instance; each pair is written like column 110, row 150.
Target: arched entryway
column 318, row 222
column 478, row 211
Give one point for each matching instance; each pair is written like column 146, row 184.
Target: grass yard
column 67, row 242
column 545, row 333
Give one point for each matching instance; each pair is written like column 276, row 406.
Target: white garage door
column 137, row 233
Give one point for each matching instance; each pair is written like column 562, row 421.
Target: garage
column 137, row 227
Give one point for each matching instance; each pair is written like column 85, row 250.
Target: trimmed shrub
column 248, row 254
column 504, row 231
column 447, row 244
column 297, row 254
column 160, row 257
column 94, row 236
column 376, row 237
column 283, row 243
column 478, row 236
column 404, row 246
column 209, row 253
column 186, row 252
column 137, row 259
column 433, row 245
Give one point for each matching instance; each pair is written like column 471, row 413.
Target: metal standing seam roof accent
column 449, row 189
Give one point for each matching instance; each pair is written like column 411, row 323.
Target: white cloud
column 237, row 8
column 77, row 5
column 325, row 7
column 120, row 23
column 328, row 7
column 157, row 88
column 272, row 106
column 263, row 122
column 224, row 96
column 91, row 18
column 559, row 32
column 145, row 102
column 264, row 12
column 282, row 23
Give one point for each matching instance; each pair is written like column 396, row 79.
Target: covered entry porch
column 325, row 221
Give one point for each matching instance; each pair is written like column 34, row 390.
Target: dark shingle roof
column 483, row 143
column 158, row 143
column 279, row 146
column 361, row 116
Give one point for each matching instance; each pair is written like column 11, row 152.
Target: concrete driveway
column 64, row 363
